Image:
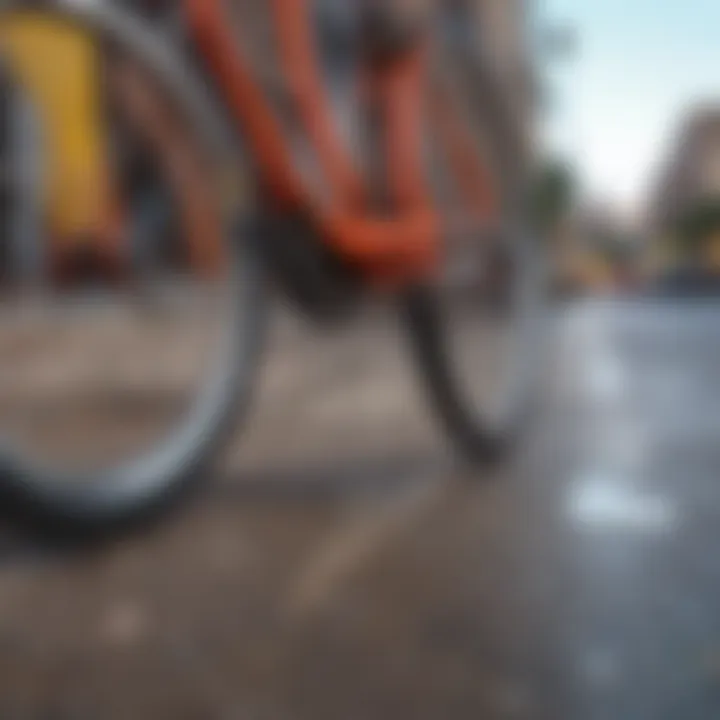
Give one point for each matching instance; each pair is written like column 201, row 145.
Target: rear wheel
column 474, row 330
column 124, row 372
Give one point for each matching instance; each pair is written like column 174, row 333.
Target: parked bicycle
column 344, row 149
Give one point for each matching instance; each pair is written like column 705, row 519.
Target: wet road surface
column 631, row 486
column 341, row 565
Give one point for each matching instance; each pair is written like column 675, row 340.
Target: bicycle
column 282, row 192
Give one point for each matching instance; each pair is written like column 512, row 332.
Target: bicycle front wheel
column 130, row 356
column 475, row 329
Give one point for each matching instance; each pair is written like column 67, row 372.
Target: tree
column 698, row 225
column 553, row 195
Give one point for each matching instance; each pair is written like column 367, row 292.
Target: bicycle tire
column 129, row 492
column 477, row 437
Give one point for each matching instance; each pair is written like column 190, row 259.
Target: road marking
column 359, row 539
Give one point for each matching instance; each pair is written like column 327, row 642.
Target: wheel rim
column 132, row 478
column 489, row 288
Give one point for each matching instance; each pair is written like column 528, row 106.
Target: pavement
column 340, row 563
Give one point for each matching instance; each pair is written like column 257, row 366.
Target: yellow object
column 57, row 66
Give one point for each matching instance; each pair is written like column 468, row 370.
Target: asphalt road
column 629, row 545
column 341, row 565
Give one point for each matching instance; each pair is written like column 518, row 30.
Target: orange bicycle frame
column 392, row 241
column 390, row 246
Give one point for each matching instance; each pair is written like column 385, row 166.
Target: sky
column 617, row 101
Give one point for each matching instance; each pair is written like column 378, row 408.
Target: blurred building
column 504, row 31
column 692, row 172
column 684, row 210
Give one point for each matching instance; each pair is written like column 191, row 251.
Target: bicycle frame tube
column 198, row 209
column 301, row 70
column 245, row 100
column 396, row 246
column 472, row 177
